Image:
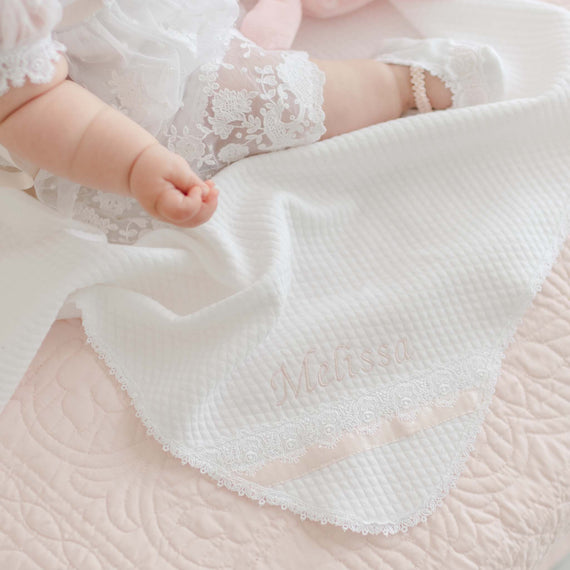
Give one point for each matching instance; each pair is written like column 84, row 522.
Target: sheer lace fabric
column 177, row 68
column 253, row 101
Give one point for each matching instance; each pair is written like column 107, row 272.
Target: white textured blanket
column 329, row 341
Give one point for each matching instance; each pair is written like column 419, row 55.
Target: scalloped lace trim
column 462, row 73
column 241, row 486
column 33, row 62
column 326, row 426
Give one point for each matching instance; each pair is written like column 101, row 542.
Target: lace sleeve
column 27, row 49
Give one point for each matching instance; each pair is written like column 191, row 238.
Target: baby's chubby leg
column 66, row 130
column 430, row 73
column 361, row 93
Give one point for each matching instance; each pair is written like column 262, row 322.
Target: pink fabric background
column 83, row 486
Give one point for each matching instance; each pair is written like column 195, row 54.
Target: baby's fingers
column 186, row 210
column 209, row 205
column 176, row 207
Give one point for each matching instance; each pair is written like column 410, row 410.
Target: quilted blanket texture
column 85, row 477
column 84, row 486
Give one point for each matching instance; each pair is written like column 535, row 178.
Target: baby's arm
column 68, row 131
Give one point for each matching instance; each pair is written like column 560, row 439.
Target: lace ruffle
column 34, row 62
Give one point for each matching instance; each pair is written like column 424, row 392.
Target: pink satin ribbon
column 319, row 457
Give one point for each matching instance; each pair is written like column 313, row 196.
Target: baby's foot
column 168, row 189
column 442, row 73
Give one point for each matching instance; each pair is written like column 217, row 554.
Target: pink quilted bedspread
column 83, row 485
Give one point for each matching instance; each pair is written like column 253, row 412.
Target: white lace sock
column 472, row 72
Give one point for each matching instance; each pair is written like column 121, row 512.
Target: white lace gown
column 180, row 69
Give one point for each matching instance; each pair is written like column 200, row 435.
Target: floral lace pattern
column 253, row 101
column 402, row 398
column 33, row 62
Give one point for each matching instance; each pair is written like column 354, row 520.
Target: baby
column 218, row 96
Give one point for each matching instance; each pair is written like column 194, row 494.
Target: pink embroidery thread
column 343, row 366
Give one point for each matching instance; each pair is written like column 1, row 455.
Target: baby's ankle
column 438, row 93
column 402, row 75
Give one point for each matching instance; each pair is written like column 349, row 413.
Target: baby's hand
column 168, row 189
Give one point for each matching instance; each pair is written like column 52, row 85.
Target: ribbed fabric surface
column 364, row 278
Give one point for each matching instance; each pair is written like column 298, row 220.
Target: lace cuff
column 34, row 61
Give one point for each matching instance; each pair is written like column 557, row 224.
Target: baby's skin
column 65, row 129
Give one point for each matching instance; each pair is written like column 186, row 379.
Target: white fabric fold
column 372, row 276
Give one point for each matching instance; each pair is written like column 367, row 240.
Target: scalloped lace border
column 33, row 62
column 262, row 495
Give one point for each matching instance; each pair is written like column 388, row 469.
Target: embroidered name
column 345, row 363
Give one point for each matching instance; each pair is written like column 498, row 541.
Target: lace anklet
column 419, row 88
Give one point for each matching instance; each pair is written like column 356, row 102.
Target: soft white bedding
column 83, row 486
column 509, row 181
